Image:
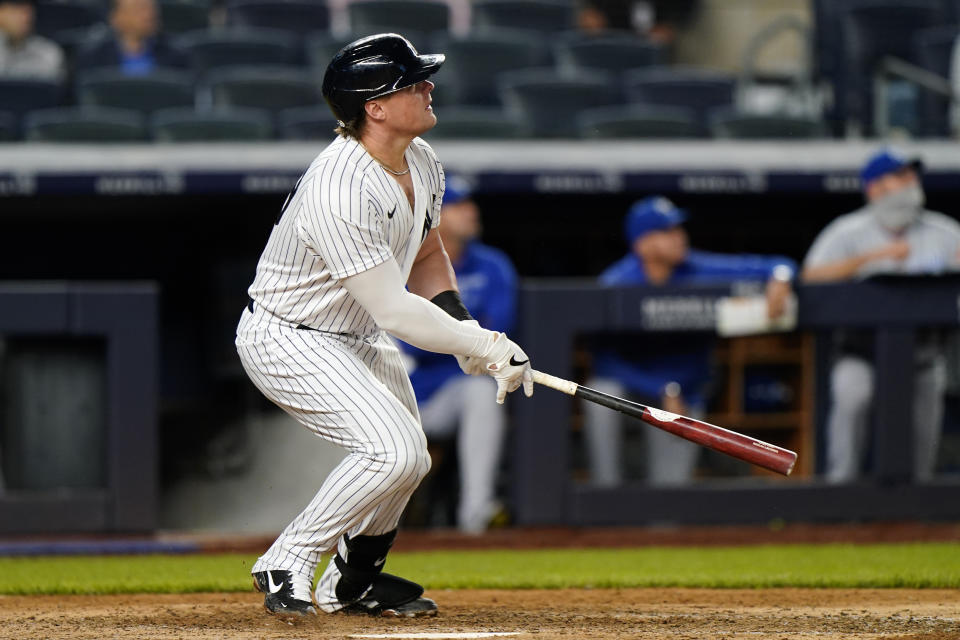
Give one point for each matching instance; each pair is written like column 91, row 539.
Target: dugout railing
column 554, row 313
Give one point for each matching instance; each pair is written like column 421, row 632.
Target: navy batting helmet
column 372, row 67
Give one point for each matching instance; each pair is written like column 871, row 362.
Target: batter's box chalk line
column 426, row 635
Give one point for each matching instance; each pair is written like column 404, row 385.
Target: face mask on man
column 898, row 210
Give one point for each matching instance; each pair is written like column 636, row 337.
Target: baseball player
column 449, row 401
column 668, row 371
column 893, row 233
column 353, row 254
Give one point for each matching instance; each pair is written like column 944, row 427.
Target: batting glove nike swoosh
column 510, row 367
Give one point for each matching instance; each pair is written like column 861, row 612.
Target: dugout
column 194, row 220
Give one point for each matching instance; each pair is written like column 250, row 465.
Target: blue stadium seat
column 306, row 123
column 270, row 88
column 547, row 16
column 469, row 75
column 613, row 51
column 697, row 89
column 220, row 48
column 729, row 123
column 299, row 16
column 638, row 121
column 90, row 125
column 873, row 29
column 475, row 123
column 933, row 49
column 547, row 103
column 161, row 89
column 62, row 21
column 400, row 16
column 181, row 16
column 188, row 125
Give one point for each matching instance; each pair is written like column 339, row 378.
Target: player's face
column 460, row 222
column 891, row 183
column 408, row 110
column 668, row 246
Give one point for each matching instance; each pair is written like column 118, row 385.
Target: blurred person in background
column 955, row 83
column 668, row 371
column 450, row 401
column 656, row 20
column 892, row 234
column 24, row 54
column 133, row 42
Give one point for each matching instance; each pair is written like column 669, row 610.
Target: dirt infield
column 781, row 614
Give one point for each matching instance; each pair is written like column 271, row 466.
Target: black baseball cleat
column 419, row 608
column 285, row 593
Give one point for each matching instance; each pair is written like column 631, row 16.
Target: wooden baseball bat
column 733, row 444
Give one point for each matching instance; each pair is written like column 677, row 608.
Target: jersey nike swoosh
column 379, row 562
column 273, row 587
column 514, row 362
column 391, row 214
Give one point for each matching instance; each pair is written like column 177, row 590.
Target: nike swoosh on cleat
column 514, row 362
column 379, row 562
column 273, row 587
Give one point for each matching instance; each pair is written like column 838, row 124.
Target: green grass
column 893, row 565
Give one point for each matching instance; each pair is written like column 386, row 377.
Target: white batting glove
column 509, row 366
column 471, row 365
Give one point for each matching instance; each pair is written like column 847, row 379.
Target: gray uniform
column 35, row 57
column 934, row 241
column 312, row 349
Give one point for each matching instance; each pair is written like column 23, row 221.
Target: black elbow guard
column 450, row 302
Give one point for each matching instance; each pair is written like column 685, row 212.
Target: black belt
column 299, row 326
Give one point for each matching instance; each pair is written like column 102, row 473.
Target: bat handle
column 547, row 380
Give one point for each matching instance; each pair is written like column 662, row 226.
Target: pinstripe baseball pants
column 354, row 392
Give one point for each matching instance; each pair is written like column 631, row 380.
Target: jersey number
column 286, row 202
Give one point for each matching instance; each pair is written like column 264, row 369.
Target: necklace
column 385, row 167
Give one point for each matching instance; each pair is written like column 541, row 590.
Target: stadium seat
column 469, row 75
column 111, row 88
column 613, row 51
column 728, row 123
column 547, row 103
column 400, row 16
column 306, row 123
column 62, row 21
column 8, row 126
column 637, row 121
column 548, row 16
column 696, row 89
column 321, row 47
column 19, row 95
column 219, row 48
column 299, row 16
column 73, row 124
column 188, row 125
column 181, row 16
column 271, row 88
column 475, row 124
column 934, row 50
column 872, row 30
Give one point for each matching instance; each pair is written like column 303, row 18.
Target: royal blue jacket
column 646, row 363
column 488, row 286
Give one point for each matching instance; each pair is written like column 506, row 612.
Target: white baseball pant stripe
column 353, row 392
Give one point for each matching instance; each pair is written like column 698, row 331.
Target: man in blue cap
column 670, row 371
column 893, row 233
column 450, row 401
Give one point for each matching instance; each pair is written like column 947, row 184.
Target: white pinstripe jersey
column 346, row 215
